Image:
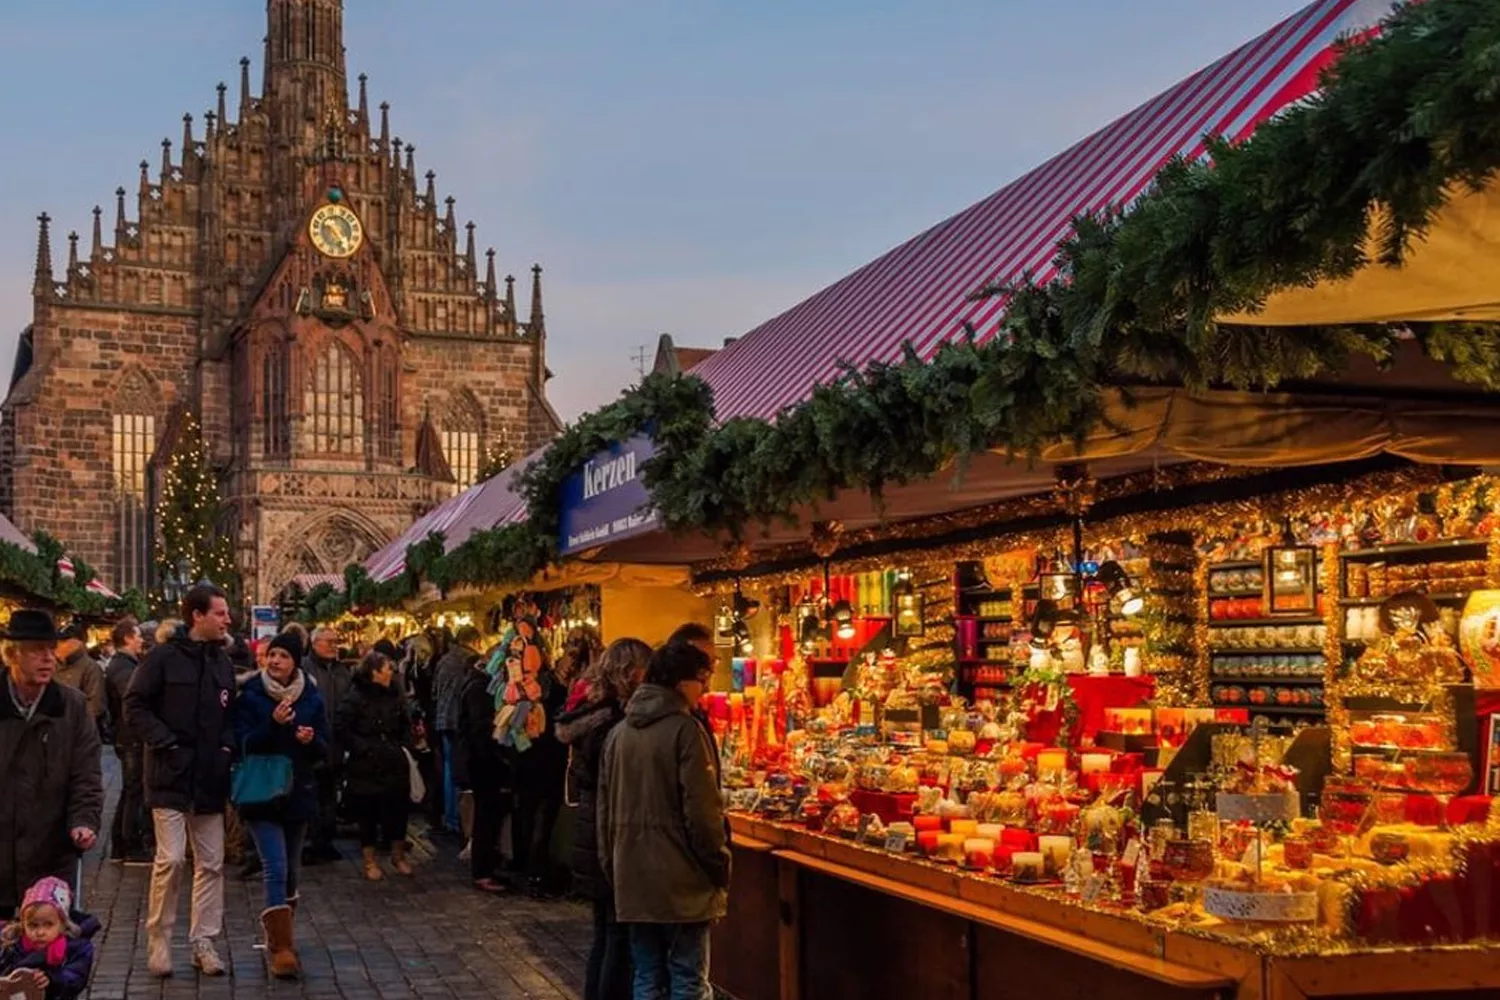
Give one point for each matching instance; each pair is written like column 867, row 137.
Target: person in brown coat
column 49, row 755
column 663, row 844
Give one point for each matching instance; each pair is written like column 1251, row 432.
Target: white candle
column 1055, row 850
column 1093, row 763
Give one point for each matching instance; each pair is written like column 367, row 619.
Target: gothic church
column 291, row 279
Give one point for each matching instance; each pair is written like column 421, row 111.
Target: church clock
column 335, row 231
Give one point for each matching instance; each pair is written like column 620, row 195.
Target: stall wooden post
column 789, row 930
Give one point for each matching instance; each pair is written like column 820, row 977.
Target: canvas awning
column 1452, row 273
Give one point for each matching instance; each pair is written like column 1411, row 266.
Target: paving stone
column 430, row 936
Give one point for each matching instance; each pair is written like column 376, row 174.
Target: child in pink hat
column 50, row 941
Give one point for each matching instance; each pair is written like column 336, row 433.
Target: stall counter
column 856, row 921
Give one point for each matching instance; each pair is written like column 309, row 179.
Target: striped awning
column 487, row 505
column 919, row 291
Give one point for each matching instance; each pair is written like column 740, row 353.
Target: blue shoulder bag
column 261, row 779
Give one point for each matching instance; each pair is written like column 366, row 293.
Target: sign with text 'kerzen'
column 605, row 500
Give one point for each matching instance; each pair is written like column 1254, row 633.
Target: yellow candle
column 1051, row 763
column 1093, row 763
column 963, row 827
column 990, row 830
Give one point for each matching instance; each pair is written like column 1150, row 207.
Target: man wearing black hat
column 49, row 755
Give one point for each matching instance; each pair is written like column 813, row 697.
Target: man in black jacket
column 333, row 678
column 130, row 833
column 179, row 704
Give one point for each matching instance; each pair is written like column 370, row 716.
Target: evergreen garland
column 1402, row 120
column 189, row 514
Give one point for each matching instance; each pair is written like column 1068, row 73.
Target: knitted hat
column 51, row 892
column 289, row 641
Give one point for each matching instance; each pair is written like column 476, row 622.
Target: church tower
column 288, row 274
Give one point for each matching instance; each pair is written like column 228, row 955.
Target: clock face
column 336, row 231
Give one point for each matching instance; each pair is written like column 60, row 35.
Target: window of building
column 333, row 406
column 460, row 438
column 134, row 441
column 387, row 405
column 275, row 430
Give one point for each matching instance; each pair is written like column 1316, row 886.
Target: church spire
column 43, row 283
column 538, row 318
column 98, row 245
column 364, row 104
column 72, row 253
column 120, row 216
column 489, row 274
column 305, row 76
column 469, row 256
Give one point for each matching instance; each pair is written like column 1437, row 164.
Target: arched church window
column 333, row 417
column 460, row 437
column 386, row 404
column 132, row 443
column 275, row 379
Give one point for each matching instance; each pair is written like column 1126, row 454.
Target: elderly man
column 77, row 669
column 49, row 756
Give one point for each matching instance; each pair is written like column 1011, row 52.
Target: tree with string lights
column 189, row 543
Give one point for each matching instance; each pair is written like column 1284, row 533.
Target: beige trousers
column 174, row 831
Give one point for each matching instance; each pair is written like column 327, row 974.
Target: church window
column 132, row 443
column 460, row 437
column 276, row 437
column 333, row 414
column 387, row 405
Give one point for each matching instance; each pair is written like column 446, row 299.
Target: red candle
column 927, row 841
column 926, row 823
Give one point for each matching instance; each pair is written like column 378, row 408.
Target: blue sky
column 693, row 167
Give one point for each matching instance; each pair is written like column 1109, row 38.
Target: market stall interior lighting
column 740, row 631
column 744, row 607
column 843, row 620
column 1121, row 589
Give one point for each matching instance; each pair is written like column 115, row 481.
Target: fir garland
column 1402, row 121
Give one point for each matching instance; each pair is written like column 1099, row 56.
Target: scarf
column 284, row 692
column 56, row 952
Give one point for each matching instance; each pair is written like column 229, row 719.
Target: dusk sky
column 684, row 167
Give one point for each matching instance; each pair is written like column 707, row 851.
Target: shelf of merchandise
column 1243, row 679
column 1247, row 622
column 1437, row 548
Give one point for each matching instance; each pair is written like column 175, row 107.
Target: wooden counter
column 815, row 917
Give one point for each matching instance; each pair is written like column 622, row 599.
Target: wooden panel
column 1010, row 966
column 860, row 943
column 1433, row 974
column 743, row 946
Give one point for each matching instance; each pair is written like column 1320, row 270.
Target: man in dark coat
column 129, row 835
column 480, row 768
column 179, row 704
column 448, row 677
column 53, row 800
column 332, row 676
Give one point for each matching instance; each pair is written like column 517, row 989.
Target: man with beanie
column 333, row 678
column 77, row 669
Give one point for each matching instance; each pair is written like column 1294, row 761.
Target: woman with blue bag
column 281, row 728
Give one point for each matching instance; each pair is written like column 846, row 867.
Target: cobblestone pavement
column 430, row 936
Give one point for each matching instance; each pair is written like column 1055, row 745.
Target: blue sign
column 605, row 501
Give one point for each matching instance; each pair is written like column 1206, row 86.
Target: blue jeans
column 450, row 787
column 280, row 849
column 671, row 961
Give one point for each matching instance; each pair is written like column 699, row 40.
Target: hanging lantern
column 907, row 607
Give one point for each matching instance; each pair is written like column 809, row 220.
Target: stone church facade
column 290, row 278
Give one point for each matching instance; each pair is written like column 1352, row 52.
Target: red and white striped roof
column 486, row 505
column 918, row 291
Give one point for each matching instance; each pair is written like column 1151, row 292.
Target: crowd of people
column 265, row 749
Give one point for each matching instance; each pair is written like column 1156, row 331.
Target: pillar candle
column 979, row 852
column 990, row 830
column 1051, row 764
column 1093, row 763
column 1027, row 866
column 950, row 847
column 1055, row 850
column 925, row 823
column 963, row 827
column 927, row 842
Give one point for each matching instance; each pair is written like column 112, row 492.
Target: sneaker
column 205, row 959
column 467, row 852
column 159, row 956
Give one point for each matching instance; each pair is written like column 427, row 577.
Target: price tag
column 1132, row 853
column 1092, row 887
column 896, row 842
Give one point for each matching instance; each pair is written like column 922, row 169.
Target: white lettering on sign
column 599, row 477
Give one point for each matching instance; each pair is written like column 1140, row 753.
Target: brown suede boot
column 281, row 953
column 398, row 859
column 372, row 867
